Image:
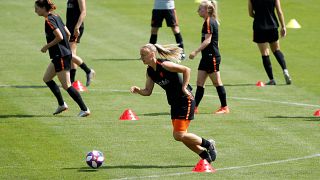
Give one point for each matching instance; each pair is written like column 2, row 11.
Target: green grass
column 268, row 124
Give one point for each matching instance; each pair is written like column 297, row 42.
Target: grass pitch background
column 265, row 124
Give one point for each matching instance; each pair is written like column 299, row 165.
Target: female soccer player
column 165, row 9
column 265, row 32
column 57, row 36
column 76, row 12
column 166, row 74
column 210, row 61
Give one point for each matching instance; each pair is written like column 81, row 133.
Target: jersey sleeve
column 51, row 22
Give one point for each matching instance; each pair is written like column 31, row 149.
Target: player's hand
column 134, row 89
column 186, row 92
column 76, row 32
column 283, row 32
column 192, row 54
column 44, row 49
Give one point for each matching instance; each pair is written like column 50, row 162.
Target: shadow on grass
column 5, row 116
column 88, row 169
column 23, row 87
column 306, row 118
column 156, row 114
column 116, row 59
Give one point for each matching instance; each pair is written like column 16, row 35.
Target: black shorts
column 209, row 63
column 159, row 14
column 62, row 63
column 183, row 109
column 76, row 39
column 263, row 36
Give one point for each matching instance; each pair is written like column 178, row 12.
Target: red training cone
column 78, row 86
column 203, row 166
column 317, row 113
column 128, row 114
column 260, row 84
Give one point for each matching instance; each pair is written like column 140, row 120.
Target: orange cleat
column 222, row 110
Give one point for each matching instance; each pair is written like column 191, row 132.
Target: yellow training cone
column 293, row 24
column 198, row 1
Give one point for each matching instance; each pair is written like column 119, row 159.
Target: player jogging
column 166, row 74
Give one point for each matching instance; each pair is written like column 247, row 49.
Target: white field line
column 223, row 169
column 237, row 98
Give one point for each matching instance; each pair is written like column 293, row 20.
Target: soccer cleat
column 196, row 111
column 212, row 150
column 60, row 109
column 271, row 82
column 84, row 113
column 183, row 56
column 90, row 76
column 223, row 110
column 287, row 78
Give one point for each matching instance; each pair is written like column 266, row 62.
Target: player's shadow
column 116, row 59
column 305, row 118
column 244, row 84
column 21, row 116
column 23, row 87
column 88, row 169
column 156, row 114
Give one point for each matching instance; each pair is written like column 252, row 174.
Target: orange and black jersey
column 171, row 82
column 62, row 49
column 264, row 15
column 210, row 26
column 73, row 14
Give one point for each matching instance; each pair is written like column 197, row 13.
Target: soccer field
column 271, row 132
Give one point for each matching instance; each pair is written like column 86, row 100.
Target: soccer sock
column 199, row 95
column 205, row 143
column 77, row 98
column 179, row 39
column 85, row 68
column 72, row 75
column 280, row 58
column 153, row 38
column 267, row 66
column 204, row 154
column 56, row 91
column 222, row 95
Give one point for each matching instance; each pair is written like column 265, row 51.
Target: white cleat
column 90, row 76
column 84, row 113
column 60, row 109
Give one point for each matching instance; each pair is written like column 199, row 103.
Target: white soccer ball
column 95, row 159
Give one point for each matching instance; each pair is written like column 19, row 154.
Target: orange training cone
column 128, row 114
column 317, row 113
column 78, row 86
column 203, row 166
column 260, row 84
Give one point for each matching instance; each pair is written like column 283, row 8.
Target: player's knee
column 178, row 136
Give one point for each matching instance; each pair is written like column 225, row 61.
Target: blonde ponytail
column 171, row 52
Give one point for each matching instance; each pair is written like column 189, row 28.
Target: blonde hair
column 171, row 52
column 212, row 8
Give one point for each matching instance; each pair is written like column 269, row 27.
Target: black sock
column 280, row 58
column 72, row 75
column 199, row 95
column 56, row 91
column 205, row 143
column 267, row 66
column 222, row 95
column 179, row 39
column 85, row 68
column 204, row 155
column 77, row 98
column 153, row 38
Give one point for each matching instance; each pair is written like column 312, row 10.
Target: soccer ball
column 95, row 159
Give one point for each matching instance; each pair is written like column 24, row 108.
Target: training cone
column 293, row 24
column 198, row 1
column 203, row 166
column 260, row 84
column 78, row 86
column 317, row 113
column 128, row 114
